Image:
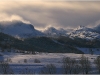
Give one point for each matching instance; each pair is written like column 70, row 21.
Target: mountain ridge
column 19, row 29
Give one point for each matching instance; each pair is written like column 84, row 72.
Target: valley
column 26, row 50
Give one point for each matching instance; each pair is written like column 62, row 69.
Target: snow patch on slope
column 51, row 31
column 84, row 33
column 97, row 28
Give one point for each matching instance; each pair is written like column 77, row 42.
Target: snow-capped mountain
column 19, row 29
column 51, row 31
column 80, row 32
column 85, row 33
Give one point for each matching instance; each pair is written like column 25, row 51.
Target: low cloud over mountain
column 19, row 29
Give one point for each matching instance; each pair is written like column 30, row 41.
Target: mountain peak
column 81, row 27
column 19, row 29
column 51, row 31
column 85, row 33
column 51, row 28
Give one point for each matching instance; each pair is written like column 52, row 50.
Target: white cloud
column 5, row 17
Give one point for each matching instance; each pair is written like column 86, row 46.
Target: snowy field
column 90, row 50
column 20, row 61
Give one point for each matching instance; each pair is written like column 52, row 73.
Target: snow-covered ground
column 90, row 50
column 17, row 60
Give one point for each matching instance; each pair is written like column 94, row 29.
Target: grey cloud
column 58, row 16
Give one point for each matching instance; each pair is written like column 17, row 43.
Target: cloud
column 6, row 17
column 57, row 14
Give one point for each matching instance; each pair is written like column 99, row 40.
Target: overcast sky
column 42, row 14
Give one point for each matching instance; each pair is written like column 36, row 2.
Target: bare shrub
column 76, row 69
column 5, row 68
column 36, row 61
column 48, row 69
column 9, row 60
column 97, row 63
column 85, row 64
column 27, row 71
column 25, row 60
column 68, row 65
